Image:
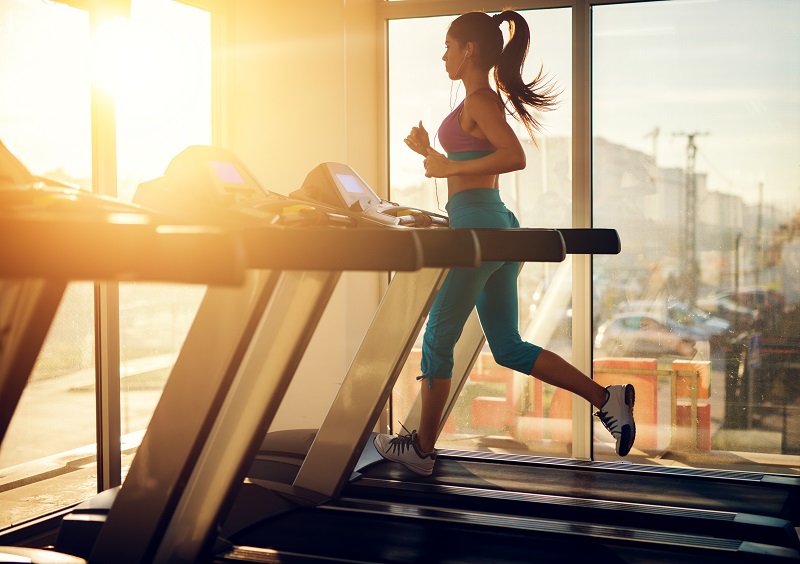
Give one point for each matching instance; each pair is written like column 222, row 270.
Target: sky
column 728, row 70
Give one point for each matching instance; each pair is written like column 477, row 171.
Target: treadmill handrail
column 453, row 248
column 521, row 245
column 119, row 250
column 591, row 241
column 42, row 255
column 278, row 248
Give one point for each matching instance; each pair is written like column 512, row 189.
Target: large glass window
column 157, row 66
column 696, row 134
column 496, row 408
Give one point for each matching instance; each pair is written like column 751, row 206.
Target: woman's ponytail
column 539, row 94
column 507, row 61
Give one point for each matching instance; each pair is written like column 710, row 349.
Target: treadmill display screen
column 227, row 172
column 350, row 183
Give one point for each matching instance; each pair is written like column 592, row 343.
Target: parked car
column 723, row 305
column 642, row 334
column 762, row 300
column 697, row 319
column 705, row 325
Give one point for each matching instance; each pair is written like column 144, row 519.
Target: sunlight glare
column 157, row 67
column 109, row 41
column 132, row 55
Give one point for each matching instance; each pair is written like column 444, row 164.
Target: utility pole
column 689, row 266
column 758, row 254
column 654, row 134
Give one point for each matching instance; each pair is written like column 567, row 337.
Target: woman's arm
column 483, row 118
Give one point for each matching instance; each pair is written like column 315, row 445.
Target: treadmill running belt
column 656, row 489
column 342, row 534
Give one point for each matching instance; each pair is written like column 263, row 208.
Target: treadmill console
column 338, row 185
column 211, row 184
column 202, row 182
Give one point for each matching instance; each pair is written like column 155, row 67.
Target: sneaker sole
column 415, row 469
column 628, row 435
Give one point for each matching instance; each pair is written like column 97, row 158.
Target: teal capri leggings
column 492, row 288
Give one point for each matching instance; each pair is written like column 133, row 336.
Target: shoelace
column 608, row 421
column 401, row 443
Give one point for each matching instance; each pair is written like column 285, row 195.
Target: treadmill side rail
column 189, row 403
column 369, row 381
column 248, row 409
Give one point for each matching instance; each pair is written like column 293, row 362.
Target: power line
column 716, row 169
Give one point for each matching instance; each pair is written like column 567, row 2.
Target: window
column 495, row 402
column 696, row 134
column 157, row 67
column 695, row 131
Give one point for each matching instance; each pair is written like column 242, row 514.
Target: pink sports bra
column 454, row 139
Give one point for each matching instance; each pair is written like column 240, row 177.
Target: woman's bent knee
column 521, row 357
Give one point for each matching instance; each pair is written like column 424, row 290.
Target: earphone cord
column 435, row 184
column 452, row 101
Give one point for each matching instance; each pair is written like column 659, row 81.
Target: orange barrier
column 691, row 431
column 682, row 434
column 560, row 416
column 684, row 381
column 492, row 412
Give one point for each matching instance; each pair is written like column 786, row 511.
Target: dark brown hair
column 484, row 31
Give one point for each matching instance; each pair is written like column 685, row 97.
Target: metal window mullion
column 212, row 6
column 429, row 8
column 388, row 10
column 382, row 33
column 107, row 386
column 106, row 294
column 581, row 216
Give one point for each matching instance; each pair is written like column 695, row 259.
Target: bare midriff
column 457, row 184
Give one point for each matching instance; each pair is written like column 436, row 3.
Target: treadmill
column 245, row 345
column 52, row 235
column 629, row 509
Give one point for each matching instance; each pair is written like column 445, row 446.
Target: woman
column 481, row 145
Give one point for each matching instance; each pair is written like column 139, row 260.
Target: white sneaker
column 405, row 450
column 617, row 416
